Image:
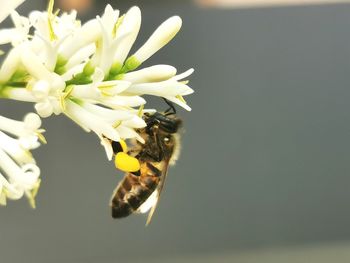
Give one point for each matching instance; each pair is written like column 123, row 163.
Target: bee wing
column 157, row 193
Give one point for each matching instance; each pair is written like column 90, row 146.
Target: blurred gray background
column 266, row 151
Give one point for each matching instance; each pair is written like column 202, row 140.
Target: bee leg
column 155, row 158
column 160, row 147
column 156, row 153
column 137, row 173
column 150, row 123
column 133, row 152
column 171, row 107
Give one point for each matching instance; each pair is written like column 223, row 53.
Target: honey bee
column 139, row 191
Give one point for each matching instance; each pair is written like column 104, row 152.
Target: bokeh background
column 264, row 174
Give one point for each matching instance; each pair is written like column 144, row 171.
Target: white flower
column 109, row 93
column 7, row 7
column 51, row 32
column 83, row 36
column 164, row 33
column 28, row 131
column 109, row 42
column 162, row 84
column 19, row 33
column 113, row 124
column 151, row 74
column 130, row 26
column 48, row 97
column 20, row 173
column 10, row 64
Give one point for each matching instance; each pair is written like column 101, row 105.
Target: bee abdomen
column 131, row 193
column 153, row 171
column 120, row 209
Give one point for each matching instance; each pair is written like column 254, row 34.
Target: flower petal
column 163, row 34
column 151, row 74
column 7, row 7
column 131, row 25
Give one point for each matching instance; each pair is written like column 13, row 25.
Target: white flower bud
column 10, row 65
column 32, row 122
column 44, row 109
column 87, row 34
column 13, row 148
column 34, row 66
column 131, row 25
column 57, row 83
column 56, row 106
column 41, row 89
column 151, row 74
column 163, row 34
column 32, row 173
column 22, row 178
column 109, row 18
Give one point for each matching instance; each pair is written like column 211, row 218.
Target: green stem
column 17, row 84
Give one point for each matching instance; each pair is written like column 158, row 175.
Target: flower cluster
column 85, row 72
column 16, row 161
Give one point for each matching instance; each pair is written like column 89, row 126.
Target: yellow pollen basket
column 126, row 163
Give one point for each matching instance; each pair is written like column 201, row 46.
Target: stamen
column 181, row 98
column 140, row 112
column 116, row 26
column 51, row 17
column 3, row 198
column 63, row 103
column 33, row 193
column 104, row 87
column 41, row 137
column 117, row 124
column 68, row 91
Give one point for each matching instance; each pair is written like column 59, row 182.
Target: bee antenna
column 171, row 107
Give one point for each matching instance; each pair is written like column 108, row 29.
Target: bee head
column 167, row 123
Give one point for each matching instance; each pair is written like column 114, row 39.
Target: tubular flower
column 19, row 175
column 7, row 7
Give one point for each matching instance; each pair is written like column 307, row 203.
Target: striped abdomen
column 134, row 190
